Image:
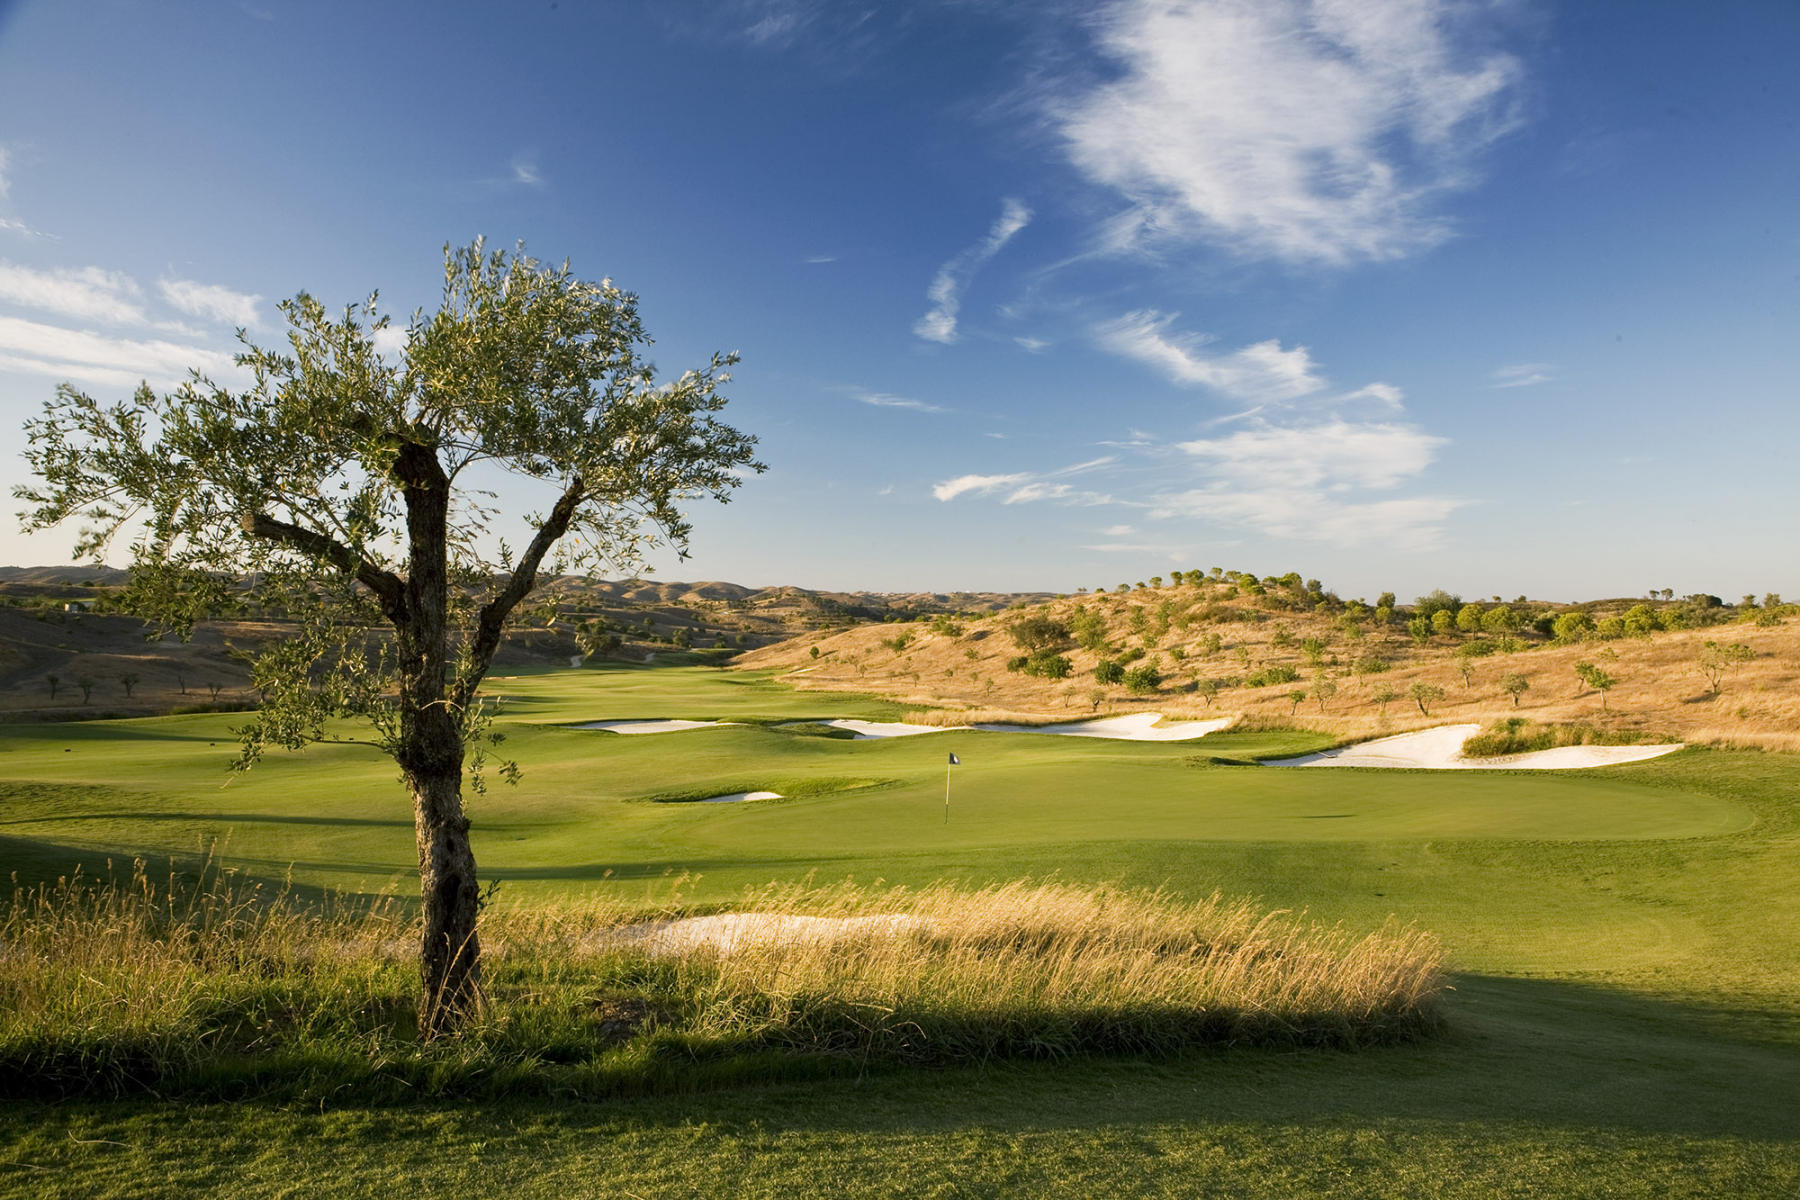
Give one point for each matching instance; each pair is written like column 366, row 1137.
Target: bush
column 1142, row 680
column 1280, row 673
column 1109, row 670
column 1038, row 632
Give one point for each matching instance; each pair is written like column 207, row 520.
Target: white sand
column 885, row 729
column 726, row 932
column 651, row 726
column 1440, row 749
column 1132, row 727
column 737, row 797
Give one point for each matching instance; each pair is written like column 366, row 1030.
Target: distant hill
column 1240, row 645
column 62, row 626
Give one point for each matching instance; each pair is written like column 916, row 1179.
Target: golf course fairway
column 1625, row 942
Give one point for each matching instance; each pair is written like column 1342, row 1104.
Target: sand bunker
column 1440, row 749
column 651, row 726
column 739, row 797
column 884, row 729
column 725, row 932
column 1132, row 727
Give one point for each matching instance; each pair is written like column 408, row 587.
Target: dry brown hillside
column 1214, row 637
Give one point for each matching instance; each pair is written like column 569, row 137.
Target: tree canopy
column 342, row 484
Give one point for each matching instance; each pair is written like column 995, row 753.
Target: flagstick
column 947, row 768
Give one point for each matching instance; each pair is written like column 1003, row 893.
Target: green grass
column 1627, row 944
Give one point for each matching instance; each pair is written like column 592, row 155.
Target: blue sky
column 1494, row 296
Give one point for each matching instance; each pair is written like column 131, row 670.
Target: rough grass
column 1516, row 735
column 124, row 986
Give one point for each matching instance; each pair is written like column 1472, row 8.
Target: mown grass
column 118, row 986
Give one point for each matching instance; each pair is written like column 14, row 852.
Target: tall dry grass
column 124, row 985
column 1049, row 969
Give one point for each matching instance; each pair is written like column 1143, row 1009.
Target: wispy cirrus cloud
column 1261, row 373
column 885, row 400
column 13, row 224
column 1522, row 375
column 83, row 293
column 1026, row 487
column 1310, row 131
column 977, row 485
column 90, row 357
column 947, row 286
column 211, row 302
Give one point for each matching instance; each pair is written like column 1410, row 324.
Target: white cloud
column 1136, row 548
column 821, row 259
column 1118, row 531
column 67, row 353
column 390, row 340
column 1306, row 481
column 884, row 400
column 1031, row 344
column 1261, row 373
column 1335, row 454
column 1302, row 130
column 211, row 301
column 979, row 485
column 945, row 292
column 1522, row 375
column 1026, row 487
column 1414, row 522
column 525, row 171
column 1381, row 396
column 85, row 293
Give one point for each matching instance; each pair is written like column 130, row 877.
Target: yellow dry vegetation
column 960, row 674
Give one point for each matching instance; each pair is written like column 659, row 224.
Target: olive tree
column 343, row 483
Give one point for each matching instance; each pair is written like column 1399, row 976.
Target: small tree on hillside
column 1207, row 690
column 128, row 681
column 1425, row 695
column 1384, row 695
column 1601, row 682
column 1323, row 689
column 1716, row 660
column 87, row 688
column 55, row 681
column 1515, row 685
column 1296, row 697
column 339, row 480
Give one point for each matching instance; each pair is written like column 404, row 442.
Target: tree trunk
column 431, row 755
column 450, row 945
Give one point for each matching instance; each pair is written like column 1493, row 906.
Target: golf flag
column 955, row 761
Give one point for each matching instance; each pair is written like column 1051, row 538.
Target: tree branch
column 385, row 584
column 524, row 578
